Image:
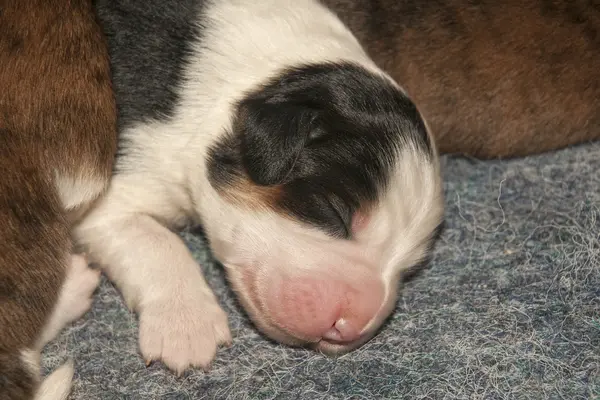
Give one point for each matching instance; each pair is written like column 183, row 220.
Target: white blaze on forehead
column 407, row 213
column 403, row 222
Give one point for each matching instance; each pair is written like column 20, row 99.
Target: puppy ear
column 273, row 135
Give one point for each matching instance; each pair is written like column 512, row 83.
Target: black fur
column 328, row 134
column 149, row 44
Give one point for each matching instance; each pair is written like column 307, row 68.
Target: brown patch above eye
column 228, row 177
column 242, row 192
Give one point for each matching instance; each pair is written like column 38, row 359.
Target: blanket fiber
column 507, row 308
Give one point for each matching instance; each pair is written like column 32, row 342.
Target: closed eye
column 344, row 224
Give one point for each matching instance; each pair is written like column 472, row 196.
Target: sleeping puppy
column 312, row 173
column 492, row 78
column 57, row 146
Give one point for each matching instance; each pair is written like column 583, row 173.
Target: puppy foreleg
column 181, row 323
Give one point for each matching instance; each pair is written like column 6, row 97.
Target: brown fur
column 492, row 78
column 57, row 116
column 244, row 193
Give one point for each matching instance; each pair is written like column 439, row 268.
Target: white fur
column 75, row 191
column 164, row 183
column 404, row 221
column 57, row 385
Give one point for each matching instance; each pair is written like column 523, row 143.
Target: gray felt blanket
column 508, row 308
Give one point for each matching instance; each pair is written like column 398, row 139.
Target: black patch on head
column 150, row 42
column 327, row 134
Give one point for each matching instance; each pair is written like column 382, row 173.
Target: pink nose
column 335, row 310
column 342, row 331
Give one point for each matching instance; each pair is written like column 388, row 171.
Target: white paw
column 76, row 295
column 184, row 332
column 75, row 298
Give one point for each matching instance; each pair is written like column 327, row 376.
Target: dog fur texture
column 492, row 78
column 57, row 146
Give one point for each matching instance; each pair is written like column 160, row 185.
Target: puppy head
column 327, row 188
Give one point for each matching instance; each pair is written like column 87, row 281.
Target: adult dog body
column 492, row 78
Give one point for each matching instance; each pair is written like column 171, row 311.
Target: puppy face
column 328, row 189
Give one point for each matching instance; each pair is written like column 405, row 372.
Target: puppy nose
column 316, row 308
column 342, row 331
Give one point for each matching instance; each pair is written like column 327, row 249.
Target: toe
column 176, row 353
column 151, row 343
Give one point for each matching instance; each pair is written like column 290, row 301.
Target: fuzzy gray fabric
column 508, row 308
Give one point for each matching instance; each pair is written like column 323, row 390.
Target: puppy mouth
column 327, row 347
column 335, row 348
column 278, row 334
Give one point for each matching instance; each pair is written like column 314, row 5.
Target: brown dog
column 57, row 145
column 492, row 78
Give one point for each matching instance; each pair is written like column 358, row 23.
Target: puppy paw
column 76, row 296
column 183, row 332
